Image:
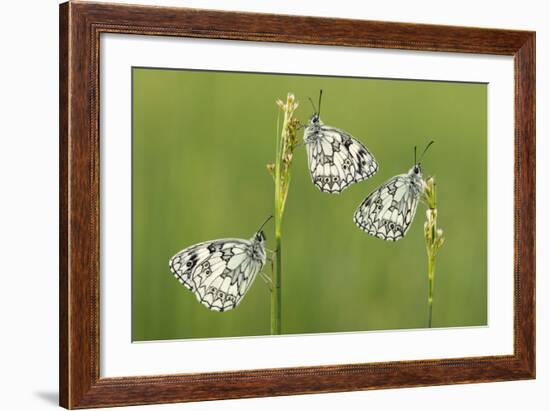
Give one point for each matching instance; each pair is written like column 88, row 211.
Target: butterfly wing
column 387, row 212
column 336, row 160
column 218, row 272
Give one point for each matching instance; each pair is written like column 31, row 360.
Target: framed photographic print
column 256, row 205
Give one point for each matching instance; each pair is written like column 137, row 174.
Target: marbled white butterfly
column 388, row 211
column 336, row 159
column 220, row 272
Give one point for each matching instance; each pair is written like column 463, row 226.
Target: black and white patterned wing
column 218, row 272
column 336, row 160
column 387, row 213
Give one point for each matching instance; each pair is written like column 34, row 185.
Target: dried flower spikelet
column 280, row 103
column 270, row 168
column 431, row 215
column 291, row 103
column 439, row 239
column 429, row 192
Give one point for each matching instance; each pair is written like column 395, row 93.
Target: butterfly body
column 220, row 272
column 387, row 212
column 335, row 158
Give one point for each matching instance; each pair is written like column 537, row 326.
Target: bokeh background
column 201, row 142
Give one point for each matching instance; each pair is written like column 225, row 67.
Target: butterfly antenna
column 414, row 154
column 312, row 105
column 319, row 105
column 264, row 223
column 426, row 149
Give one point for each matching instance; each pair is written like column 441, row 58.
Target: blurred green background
column 201, row 141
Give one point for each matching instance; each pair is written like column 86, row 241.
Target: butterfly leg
column 267, row 280
column 273, row 252
column 303, row 143
column 266, row 277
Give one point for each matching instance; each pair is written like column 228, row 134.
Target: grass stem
column 286, row 141
column 434, row 240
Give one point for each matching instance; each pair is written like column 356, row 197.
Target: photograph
column 268, row 203
column 275, row 205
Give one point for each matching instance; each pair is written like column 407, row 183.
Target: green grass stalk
column 286, row 141
column 434, row 240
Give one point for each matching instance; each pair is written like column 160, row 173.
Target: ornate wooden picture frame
column 81, row 24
